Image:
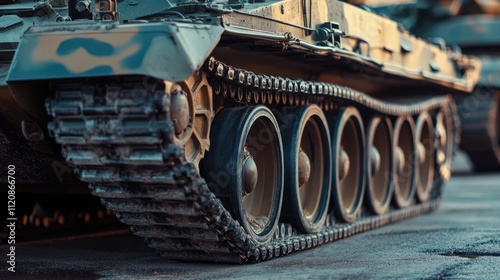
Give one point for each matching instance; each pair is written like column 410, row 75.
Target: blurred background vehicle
column 471, row 27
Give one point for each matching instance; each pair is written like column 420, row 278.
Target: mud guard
column 166, row 51
column 95, row 50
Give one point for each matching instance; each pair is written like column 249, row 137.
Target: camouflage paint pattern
column 170, row 51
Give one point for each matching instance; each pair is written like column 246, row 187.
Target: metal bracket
column 106, row 10
column 328, row 33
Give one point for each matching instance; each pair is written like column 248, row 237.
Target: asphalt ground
column 461, row 240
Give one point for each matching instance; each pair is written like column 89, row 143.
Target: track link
column 118, row 136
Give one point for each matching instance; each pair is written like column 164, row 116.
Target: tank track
column 120, row 139
column 479, row 134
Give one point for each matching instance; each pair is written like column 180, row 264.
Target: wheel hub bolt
column 344, row 164
column 304, row 168
column 421, row 154
column 250, row 175
column 179, row 113
column 400, row 159
column 375, row 160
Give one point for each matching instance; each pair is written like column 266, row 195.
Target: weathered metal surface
column 79, row 50
column 381, row 38
column 187, row 45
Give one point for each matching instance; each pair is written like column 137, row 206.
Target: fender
column 95, row 50
column 166, row 51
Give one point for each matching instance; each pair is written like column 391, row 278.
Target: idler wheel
column 308, row 167
column 191, row 112
column 425, row 156
column 379, row 187
column 404, row 161
column 244, row 168
column 348, row 153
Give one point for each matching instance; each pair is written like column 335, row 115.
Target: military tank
column 241, row 132
column 473, row 26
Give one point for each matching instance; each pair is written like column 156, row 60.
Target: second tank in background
column 473, row 27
